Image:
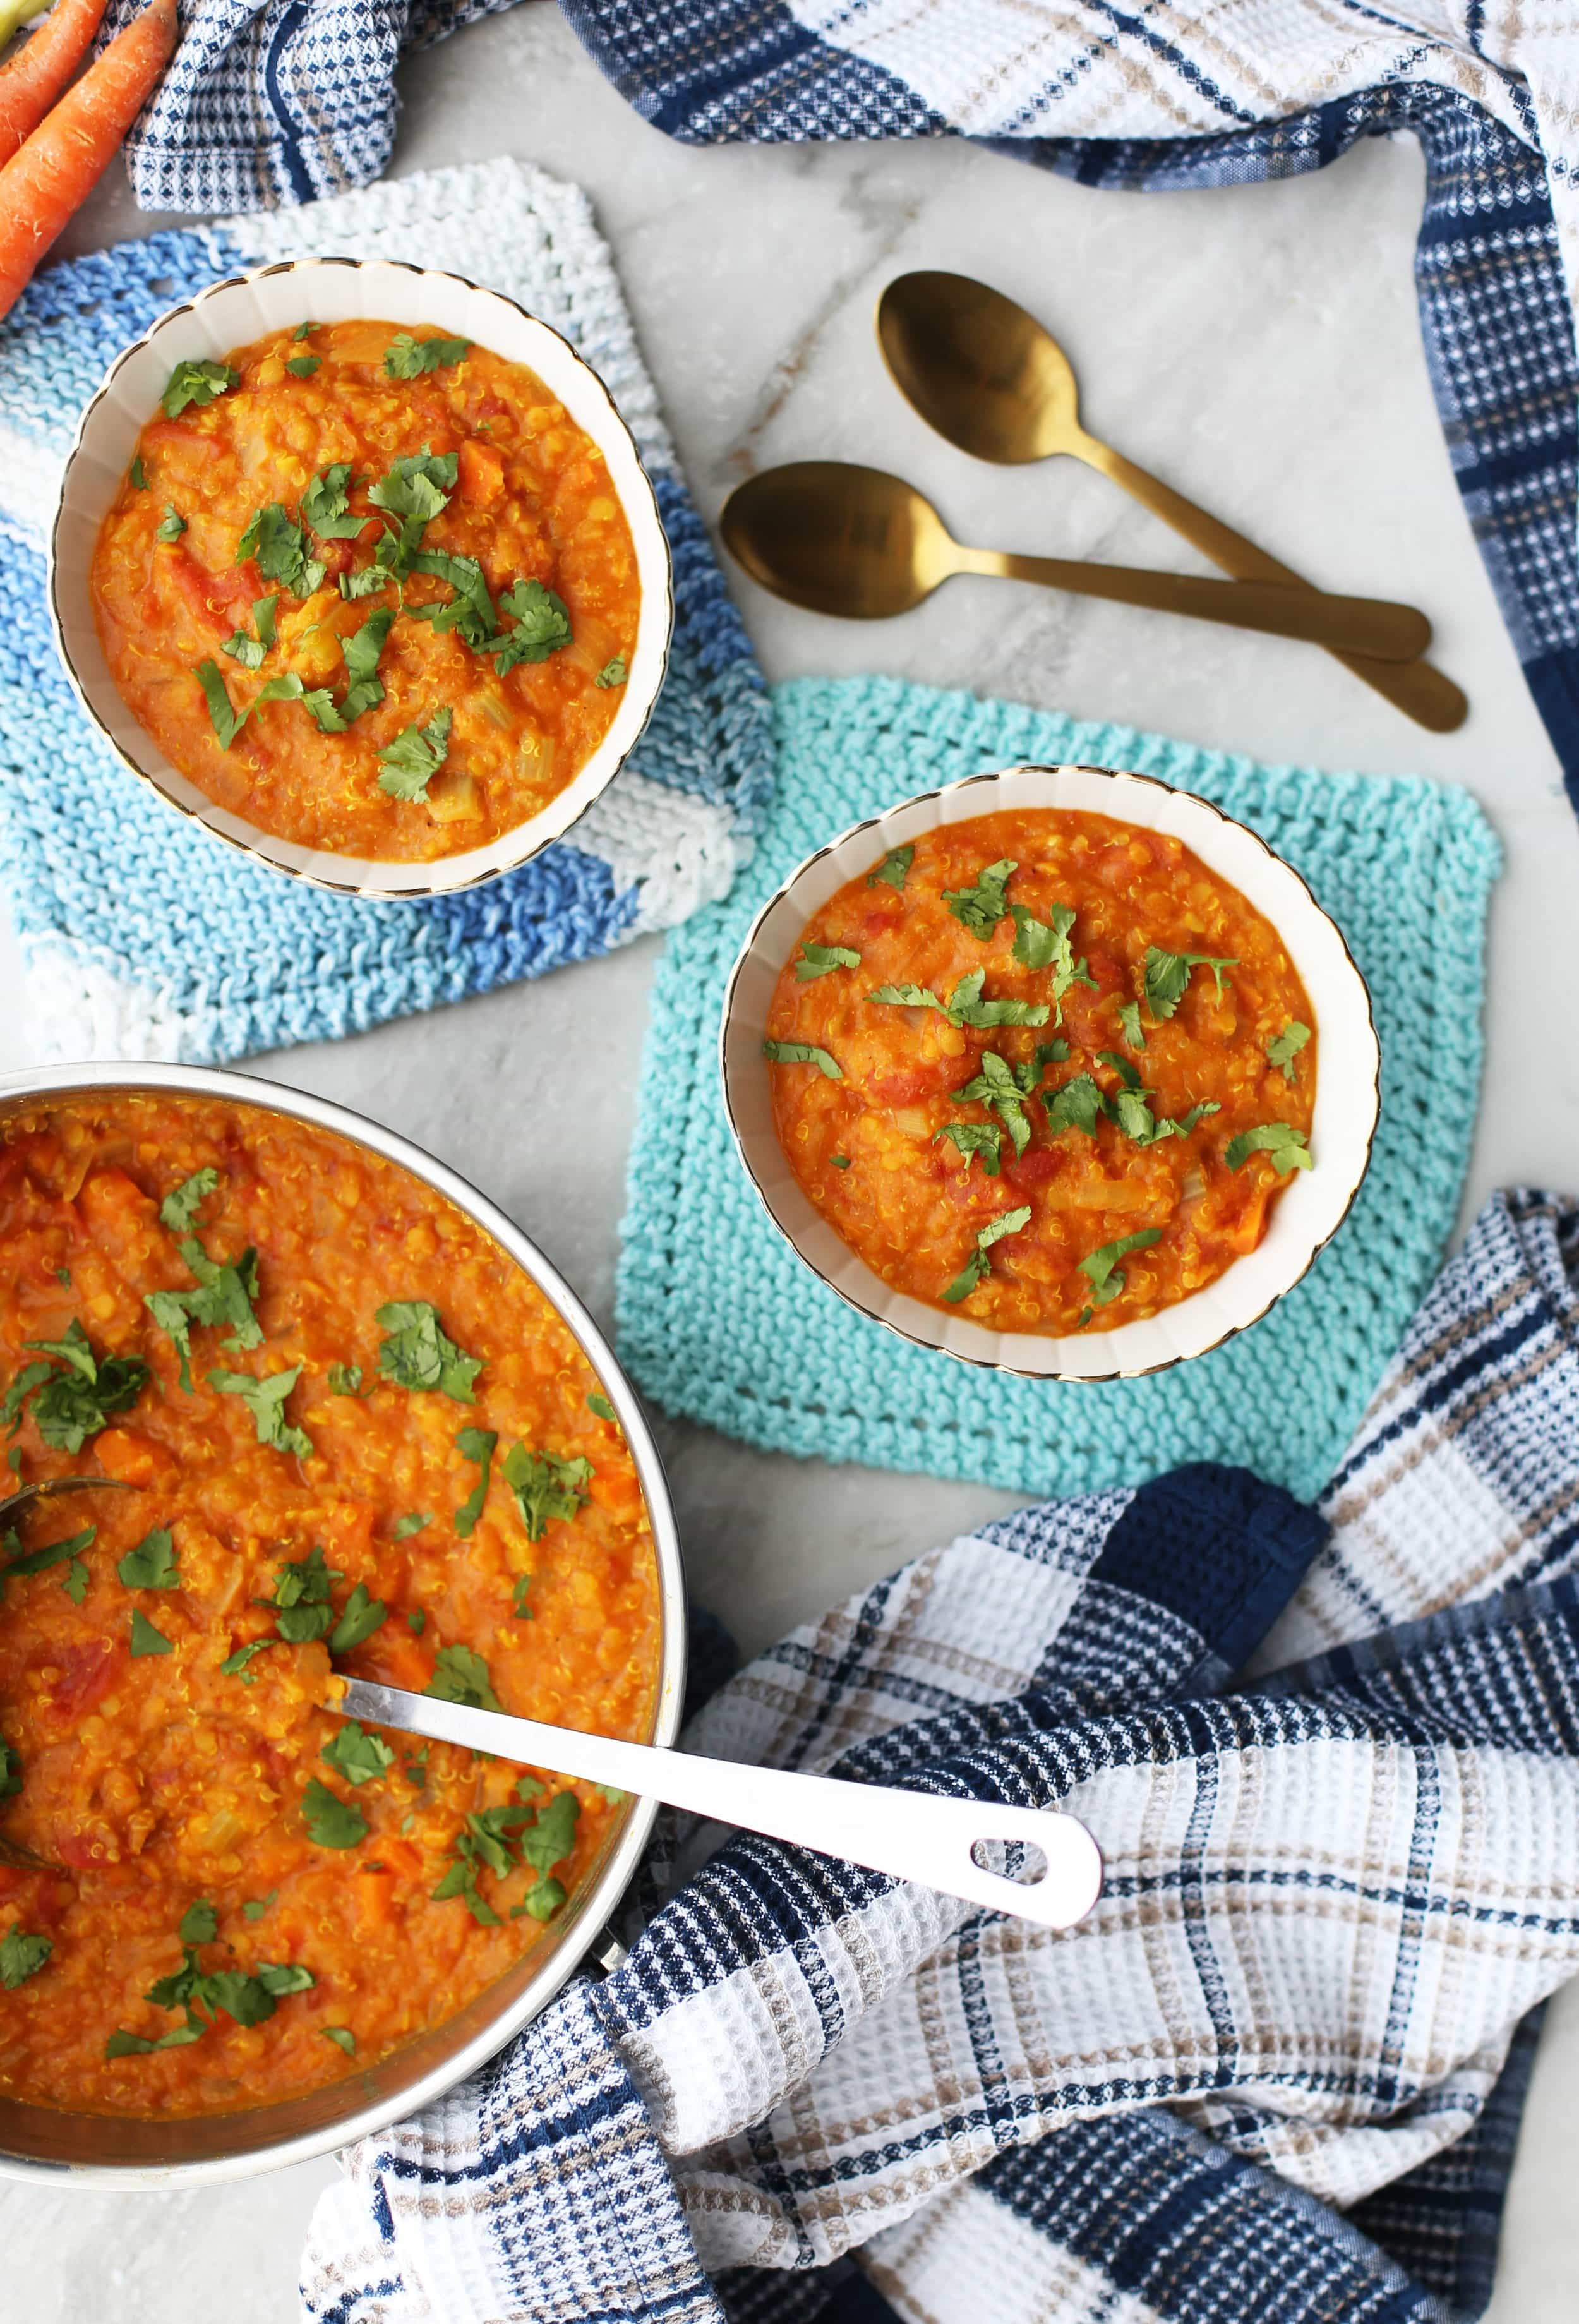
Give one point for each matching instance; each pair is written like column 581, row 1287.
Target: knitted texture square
column 142, row 936
column 719, row 1320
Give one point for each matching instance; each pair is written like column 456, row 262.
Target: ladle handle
column 913, row 1835
column 1425, row 695
column 1369, row 624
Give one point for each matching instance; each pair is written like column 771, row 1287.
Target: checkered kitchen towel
column 279, row 103
column 1276, row 2075
column 142, row 935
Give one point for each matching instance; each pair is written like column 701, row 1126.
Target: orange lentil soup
column 213, row 1893
column 373, row 592
column 1044, row 1069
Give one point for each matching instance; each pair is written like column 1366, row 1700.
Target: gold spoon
column 858, row 542
column 988, row 376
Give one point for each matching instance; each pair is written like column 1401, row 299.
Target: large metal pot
column 111, row 2150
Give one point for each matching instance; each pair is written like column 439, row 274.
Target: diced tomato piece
column 908, row 1085
column 218, row 600
column 1034, row 1168
column 334, row 556
column 81, row 1849
column 482, row 473
column 87, row 1672
column 135, row 1459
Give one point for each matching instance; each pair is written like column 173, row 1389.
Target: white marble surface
column 1257, row 347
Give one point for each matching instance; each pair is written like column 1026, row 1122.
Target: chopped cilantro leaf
column 802, row 1053
column 614, row 672
column 21, row 1956
column 406, row 357
column 302, row 367
column 417, row 1353
column 996, row 1088
column 546, row 1487
column 276, row 541
column 894, row 868
column 518, row 1594
column 304, row 331
column 138, row 474
column 818, row 960
column 265, row 1400
column 199, row 1923
column 54, row 1553
column 415, row 756
column 74, row 1581
column 235, row 1666
column 357, row 1754
column 1100, row 1268
column 362, row 1614
column 225, row 719
column 404, row 1528
column 1075, row 1105
column 224, row 1295
column 539, row 624
column 197, row 382
column 461, row 1675
column 326, row 504
column 69, row 1407
column 256, row 1906
column 838, row 1161
column 1285, row 1148
column 477, row 1444
column 152, row 1565
column 243, row 646
column 300, row 1602
column 171, row 525
column 145, row 1638
column 341, row 2036
column 1045, row 944
column 978, row 1263
column 419, row 486
column 1285, row 1046
column 980, row 1138
column 1168, row 972
column 601, row 1405
column 980, row 909
column 179, row 1210
column 124, row 2044
column 964, row 1005
column 331, row 1822
column 344, row 1380
column 30, row 1376
column 417, row 1621
column 1130, row 1019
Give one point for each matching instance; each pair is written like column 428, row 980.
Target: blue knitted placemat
column 719, row 1320
column 144, row 936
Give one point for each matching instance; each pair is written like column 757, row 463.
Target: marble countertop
column 1257, row 347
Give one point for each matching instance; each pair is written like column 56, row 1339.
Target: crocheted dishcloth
column 719, row 1319
column 142, row 936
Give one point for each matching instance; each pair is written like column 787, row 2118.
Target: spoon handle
column 1425, row 695
column 913, row 1835
column 1352, row 624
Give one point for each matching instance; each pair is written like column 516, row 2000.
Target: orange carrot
column 33, row 79
column 57, row 169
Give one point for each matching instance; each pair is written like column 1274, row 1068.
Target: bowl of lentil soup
column 1056, row 1070
column 358, row 1423
column 356, row 565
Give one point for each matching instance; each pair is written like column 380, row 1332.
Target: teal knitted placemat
column 717, row 1318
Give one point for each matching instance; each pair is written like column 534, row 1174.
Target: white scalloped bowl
column 1305, row 1217
column 337, row 290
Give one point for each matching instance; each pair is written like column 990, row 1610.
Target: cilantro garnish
column 838, row 1161
column 145, row 1638
column 357, row 1754
column 360, row 653
column 477, row 1444
column 303, row 331
column 278, row 544
column 1100, row 1268
column 265, row 1400
column 406, row 357
column 539, row 624
column 256, row 1906
column 892, row 870
column 344, row 1380
column 415, row 756
column 170, row 525
column 964, row 1005
column 978, row 1264
column 818, row 960
column 326, row 504
column 417, row 489
column 614, row 672
column 300, row 1602
column 802, row 1053
column 1285, row 1046
column 546, row 1487
column 996, row 1087
column 331, row 1822
column 601, row 1405
column 417, row 1621
column 69, row 1407
column 247, row 1997
column 496, row 1838
column 1130, row 1019
column 235, row 1666
column 138, row 474
column 199, row 1923
column 74, row 1581
column 1285, row 1148
column 21, row 1956
column 243, row 646
column 152, row 1565
column 341, row 2036
column 418, row 1354
column 362, row 1615
column 520, row 1593
column 302, row 367
column 197, row 382
column 461, row 1675
column 225, row 1293
column 225, row 719
column 470, row 612
column 404, row 1528
column 979, row 1138
column 980, row 909
column 179, row 1210
column 1045, row 944
column 125, row 2044
column 1168, row 972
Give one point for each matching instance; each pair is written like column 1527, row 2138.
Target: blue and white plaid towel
column 279, row 103
column 1276, row 2075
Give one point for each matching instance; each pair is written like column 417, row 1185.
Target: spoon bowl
column 979, row 370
